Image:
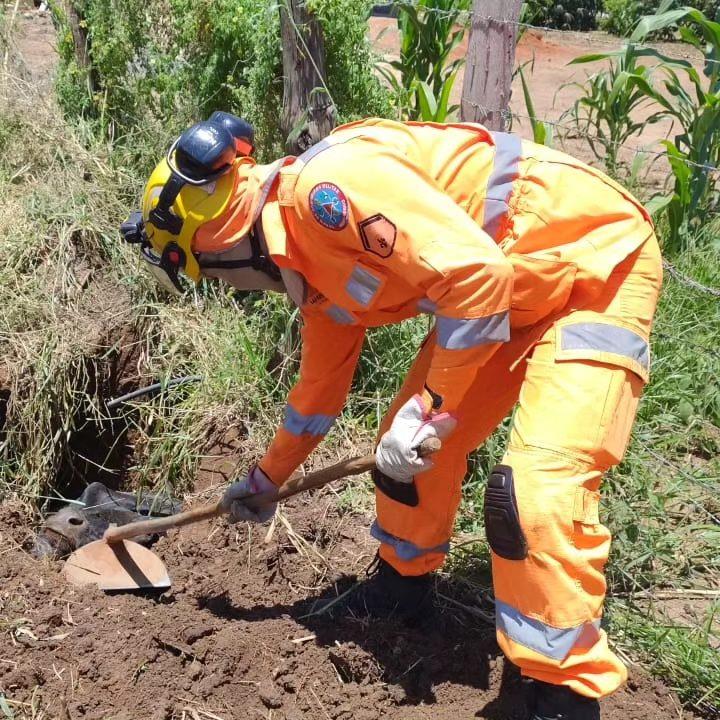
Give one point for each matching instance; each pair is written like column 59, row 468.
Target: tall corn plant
column 694, row 153
column 542, row 131
column 606, row 112
column 424, row 75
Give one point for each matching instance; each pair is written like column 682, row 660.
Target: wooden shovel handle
column 295, row 485
column 156, row 525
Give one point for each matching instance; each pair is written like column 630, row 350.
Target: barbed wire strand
column 510, row 114
column 583, row 34
column 688, row 281
column 703, row 349
column 685, row 475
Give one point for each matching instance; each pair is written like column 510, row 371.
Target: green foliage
column 232, row 61
column 350, row 59
column 160, row 64
column 542, row 131
column 622, row 16
column 562, row 14
column 694, row 153
column 685, row 652
column 606, row 112
column 423, row 77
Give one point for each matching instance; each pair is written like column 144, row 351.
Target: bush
column 157, row 65
column 562, row 14
column 621, row 16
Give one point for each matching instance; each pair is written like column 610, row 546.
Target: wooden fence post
column 81, row 42
column 487, row 86
column 308, row 110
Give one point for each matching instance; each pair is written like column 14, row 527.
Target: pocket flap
column 586, row 509
column 604, row 342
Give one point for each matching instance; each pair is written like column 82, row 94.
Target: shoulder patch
column 378, row 235
column 329, row 206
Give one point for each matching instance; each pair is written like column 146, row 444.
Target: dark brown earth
column 236, row 637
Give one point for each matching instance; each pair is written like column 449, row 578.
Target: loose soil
column 235, row 637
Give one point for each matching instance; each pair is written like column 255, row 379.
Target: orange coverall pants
column 573, row 419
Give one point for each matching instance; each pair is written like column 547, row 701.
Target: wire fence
column 505, row 112
column 688, row 281
column 579, row 131
column 509, row 115
column 583, row 35
column 582, row 132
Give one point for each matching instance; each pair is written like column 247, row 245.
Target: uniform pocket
column 626, row 354
column 581, row 391
column 613, row 343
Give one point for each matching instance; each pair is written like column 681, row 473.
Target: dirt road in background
column 554, row 89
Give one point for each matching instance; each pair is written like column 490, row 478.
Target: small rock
column 290, row 683
column 270, row 695
column 287, row 648
column 397, row 694
column 196, row 632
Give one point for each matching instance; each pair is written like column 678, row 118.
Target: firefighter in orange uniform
column 542, row 275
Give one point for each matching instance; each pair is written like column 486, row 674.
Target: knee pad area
column 502, row 518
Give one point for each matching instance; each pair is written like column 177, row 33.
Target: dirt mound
column 239, row 636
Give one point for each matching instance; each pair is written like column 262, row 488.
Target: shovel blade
column 124, row 565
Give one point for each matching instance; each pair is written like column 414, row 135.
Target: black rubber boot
column 557, row 702
column 387, row 593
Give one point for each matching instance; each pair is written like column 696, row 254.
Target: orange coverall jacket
column 385, row 220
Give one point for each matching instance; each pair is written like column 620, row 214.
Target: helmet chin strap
column 258, row 259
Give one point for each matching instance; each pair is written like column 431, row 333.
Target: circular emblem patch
column 329, row 206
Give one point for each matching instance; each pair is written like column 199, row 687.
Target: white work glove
column 254, row 483
column 396, row 455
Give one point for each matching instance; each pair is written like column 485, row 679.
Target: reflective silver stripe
column 508, row 151
column 316, row 149
column 461, row 334
column 299, row 424
column 266, row 187
column 362, row 285
column 555, row 643
column 405, row 549
column 425, row 305
column 323, row 145
column 606, row 338
column 340, row 315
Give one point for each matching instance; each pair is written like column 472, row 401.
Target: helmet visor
column 154, row 265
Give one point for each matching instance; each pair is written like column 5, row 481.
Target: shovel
column 117, row 563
